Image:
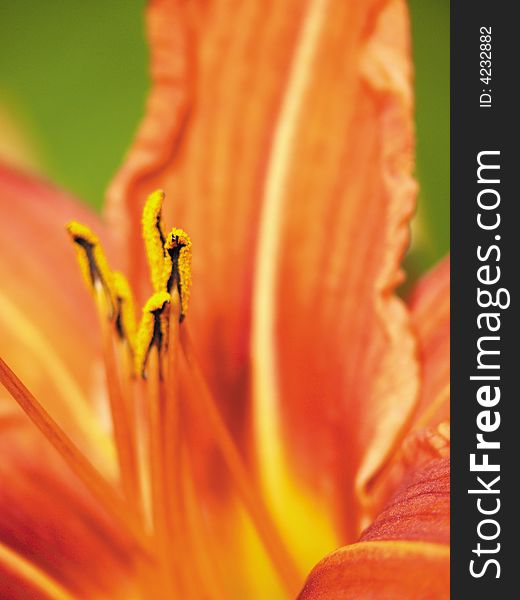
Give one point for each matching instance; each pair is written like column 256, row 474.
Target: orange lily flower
column 291, row 403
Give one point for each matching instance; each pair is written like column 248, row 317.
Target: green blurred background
column 73, row 81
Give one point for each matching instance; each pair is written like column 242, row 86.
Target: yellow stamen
column 154, row 238
column 93, row 262
column 113, row 298
column 177, row 267
column 125, row 307
column 171, row 445
column 121, row 412
column 153, row 330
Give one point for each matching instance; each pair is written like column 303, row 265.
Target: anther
column 169, row 257
column 93, row 263
column 153, row 330
column 154, row 238
column 177, row 267
column 125, row 310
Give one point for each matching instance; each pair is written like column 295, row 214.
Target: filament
column 77, row 461
column 120, row 412
column 162, row 530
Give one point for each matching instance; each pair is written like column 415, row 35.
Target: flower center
column 148, row 448
column 142, row 365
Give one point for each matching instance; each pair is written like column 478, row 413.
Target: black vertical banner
column 485, row 331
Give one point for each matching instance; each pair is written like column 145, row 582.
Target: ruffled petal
column 336, row 373
column 429, row 434
column 49, row 330
column 430, row 308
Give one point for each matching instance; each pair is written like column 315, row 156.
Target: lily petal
column 46, row 517
column 421, row 510
column 403, row 555
column 375, row 570
column 336, row 373
column 429, row 432
column 43, row 298
column 430, row 307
